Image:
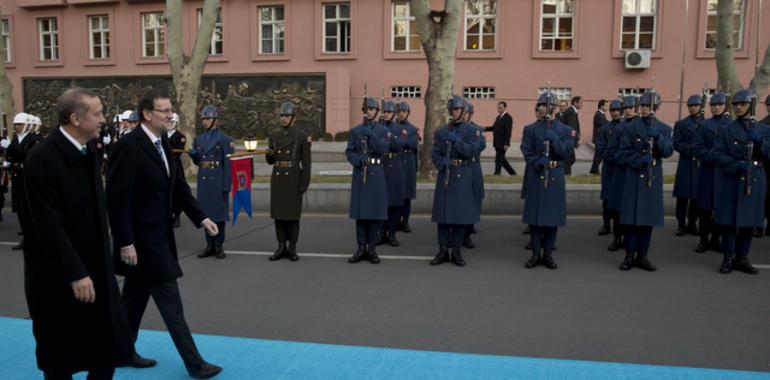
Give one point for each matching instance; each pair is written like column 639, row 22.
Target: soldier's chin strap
column 368, row 120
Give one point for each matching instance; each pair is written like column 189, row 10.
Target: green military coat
column 290, row 156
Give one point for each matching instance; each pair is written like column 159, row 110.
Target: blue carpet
column 245, row 358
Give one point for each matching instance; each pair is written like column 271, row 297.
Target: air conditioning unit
column 637, row 59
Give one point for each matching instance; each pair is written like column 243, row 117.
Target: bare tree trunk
column 439, row 42
column 7, row 105
column 762, row 78
column 725, row 51
column 186, row 71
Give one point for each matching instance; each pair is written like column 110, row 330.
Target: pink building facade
column 507, row 50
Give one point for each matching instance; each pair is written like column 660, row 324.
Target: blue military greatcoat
column 618, row 180
column 686, row 180
column 546, row 206
column 367, row 145
column 606, row 135
column 642, row 203
column 454, row 197
column 733, row 207
column 209, row 152
column 394, row 174
column 703, row 150
column 409, row 159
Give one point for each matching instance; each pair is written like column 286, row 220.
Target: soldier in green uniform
column 289, row 153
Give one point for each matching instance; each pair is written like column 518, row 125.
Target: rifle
column 703, row 100
column 447, row 170
column 750, row 146
column 651, row 141
column 4, row 177
column 547, row 150
column 365, row 144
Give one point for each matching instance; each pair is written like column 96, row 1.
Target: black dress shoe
column 358, row 255
column 715, row 246
column 373, row 257
column 468, row 243
column 392, row 241
column 528, row 247
column 616, row 244
column 680, row 231
column 204, row 370
column 137, row 361
column 440, row 256
column 18, row 247
column 644, row 263
column 291, row 251
column 628, row 262
column 605, row 230
column 702, row 247
column 473, row 229
column 767, row 230
column 743, row 265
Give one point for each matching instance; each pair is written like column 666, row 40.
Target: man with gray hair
column 72, row 294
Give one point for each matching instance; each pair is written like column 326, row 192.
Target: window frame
column 104, row 46
column 480, row 92
column 272, row 23
column 409, row 18
column 482, row 20
column 536, row 52
column 217, row 25
column 8, row 40
column 407, row 91
column 637, row 33
column 338, row 21
column 556, row 17
column 617, row 27
column 55, row 47
column 319, row 37
column 158, row 32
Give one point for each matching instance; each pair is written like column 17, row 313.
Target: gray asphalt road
column 685, row 314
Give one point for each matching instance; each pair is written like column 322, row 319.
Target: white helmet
column 20, row 118
column 125, row 115
column 38, row 122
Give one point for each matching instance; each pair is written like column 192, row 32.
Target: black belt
column 374, row 161
column 391, row 155
column 408, row 150
column 459, row 162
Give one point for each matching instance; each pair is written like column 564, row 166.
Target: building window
column 5, row 33
column 562, row 93
column 631, row 91
column 99, row 36
column 336, row 28
column 216, row 48
column 638, row 24
column 557, row 25
column 711, row 24
column 405, row 92
column 49, row 38
column 480, row 24
column 271, row 30
column 405, row 37
column 153, row 41
column 479, row 92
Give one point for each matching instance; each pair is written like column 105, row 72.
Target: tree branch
column 761, row 79
column 174, row 45
column 200, row 52
column 725, row 53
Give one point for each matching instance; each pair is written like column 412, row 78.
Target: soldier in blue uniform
column 766, row 121
column 478, row 174
column 613, row 154
column 367, row 145
column 703, row 150
column 645, row 142
column 606, row 134
column 209, row 152
column 740, row 183
column 394, row 174
column 408, row 163
column 687, row 168
column 546, row 145
column 454, row 207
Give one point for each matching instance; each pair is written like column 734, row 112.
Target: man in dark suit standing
column 142, row 185
column 501, row 138
column 570, row 117
column 72, row 294
column 600, row 118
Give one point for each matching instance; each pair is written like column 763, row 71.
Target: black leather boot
column 727, row 264
column 405, row 226
column 457, row 258
column 703, row 246
column 373, row 257
column 646, row 264
column 440, row 256
column 692, row 229
column 468, row 242
column 743, row 264
column 219, row 252
column 605, row 230
column 617, row 244
column 209, row 251
column 628, row 261
column 548, row 260
column 533, row 260
column 392, row 241
column 360, row 252
column 177, row 221
column 292, row 251
column 278, row 252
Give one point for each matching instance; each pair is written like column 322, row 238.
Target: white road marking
column 329, row 255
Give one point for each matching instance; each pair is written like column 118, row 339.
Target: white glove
column 106, row 140
column 5, row 142
column 6, row 164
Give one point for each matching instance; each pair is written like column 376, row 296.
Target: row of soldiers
column 720, row 179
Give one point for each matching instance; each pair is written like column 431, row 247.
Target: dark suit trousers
column 93, row 374
column 136, row 294
column 502, row 162
column 597, row 161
